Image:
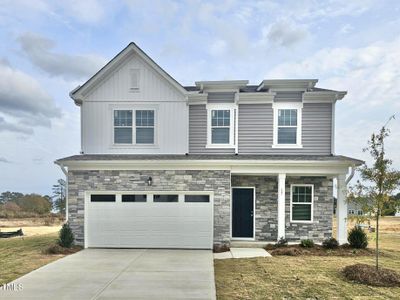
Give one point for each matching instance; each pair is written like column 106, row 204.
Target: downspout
column 62, row 167
column 351, row 175
column 236, row 124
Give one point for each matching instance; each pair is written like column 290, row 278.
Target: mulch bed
column 367, row 274
column 317, row 250
column 57, row 249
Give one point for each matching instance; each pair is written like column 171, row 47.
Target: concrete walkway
column 121, row 274
column 242, row 253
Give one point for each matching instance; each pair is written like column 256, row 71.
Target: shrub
column 218, row 248
column 358, row 238
column 330, row 243
column 66, row 237
column 307, row 243
column 281, row 243
column 367, row 274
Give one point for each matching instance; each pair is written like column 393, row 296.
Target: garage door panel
column 149, row 224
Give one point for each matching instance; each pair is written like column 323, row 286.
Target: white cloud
column 38, row 50
column 23, row 101
column 87, row 11
column 285, row 33
column 218, row 48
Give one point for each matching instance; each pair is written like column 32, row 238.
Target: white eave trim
column 322, row 97
column 236, row 166
column 255, row 98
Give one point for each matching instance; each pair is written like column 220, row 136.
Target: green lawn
column 304, row 277
column 19, row 256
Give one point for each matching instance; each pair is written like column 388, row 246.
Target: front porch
column 275, row 213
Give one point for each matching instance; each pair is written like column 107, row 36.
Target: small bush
column 358, row 238
column 281, row 243
column 66, row 237
column 367, row 274
column 218, row 248
column 307, row 243
column 330, row 243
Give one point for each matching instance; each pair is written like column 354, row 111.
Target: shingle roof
column 241, row 157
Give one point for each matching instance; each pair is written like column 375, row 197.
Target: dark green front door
column 242, row 213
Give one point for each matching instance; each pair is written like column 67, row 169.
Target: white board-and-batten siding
column 114, row 92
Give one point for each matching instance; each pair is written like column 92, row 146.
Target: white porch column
column 281, row 205
column 341, row 210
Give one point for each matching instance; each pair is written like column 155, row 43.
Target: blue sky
column 49, row 47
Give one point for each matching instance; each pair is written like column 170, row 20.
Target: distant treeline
column 15, row 204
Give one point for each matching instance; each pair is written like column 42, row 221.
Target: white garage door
column 142, row 220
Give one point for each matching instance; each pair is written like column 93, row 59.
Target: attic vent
column 135, row 79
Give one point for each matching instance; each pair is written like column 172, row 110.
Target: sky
column 47, row 48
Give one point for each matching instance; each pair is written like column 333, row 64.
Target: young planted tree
column 379, row 181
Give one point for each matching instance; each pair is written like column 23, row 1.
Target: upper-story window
column 145, row 127
column 287, row 125
column 220, row 126
column 122, row 127
column 142, row 131
column 220, row 129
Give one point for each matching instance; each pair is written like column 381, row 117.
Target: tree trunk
column 377, row 242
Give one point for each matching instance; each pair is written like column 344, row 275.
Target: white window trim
column 312, row 203
column 133, row 144
column 288, row 105
column 232, row 124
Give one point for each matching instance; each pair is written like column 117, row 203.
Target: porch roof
column 210, row 157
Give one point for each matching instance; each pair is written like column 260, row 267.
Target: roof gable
column 79, row 93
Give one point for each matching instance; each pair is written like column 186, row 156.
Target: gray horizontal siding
column 198, row 132
column 256, row 129
column 221, row 97
column 288, row 97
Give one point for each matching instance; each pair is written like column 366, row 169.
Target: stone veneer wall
column 170, row 180
column 266, row 211
column 321, row 228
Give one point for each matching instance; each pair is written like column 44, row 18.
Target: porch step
column 250, row 244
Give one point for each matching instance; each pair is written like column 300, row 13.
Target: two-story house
column 168, row 166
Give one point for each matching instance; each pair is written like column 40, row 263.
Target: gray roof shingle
column 241, row 157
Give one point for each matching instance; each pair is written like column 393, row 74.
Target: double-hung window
column 221, row 126
column 287, row 125
column 145, row 127
column 140, row 131
column 302, row 202
column 123, row 127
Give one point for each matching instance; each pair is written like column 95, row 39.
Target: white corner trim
column 312, row 203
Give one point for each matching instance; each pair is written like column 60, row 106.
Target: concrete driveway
column 121, row 274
